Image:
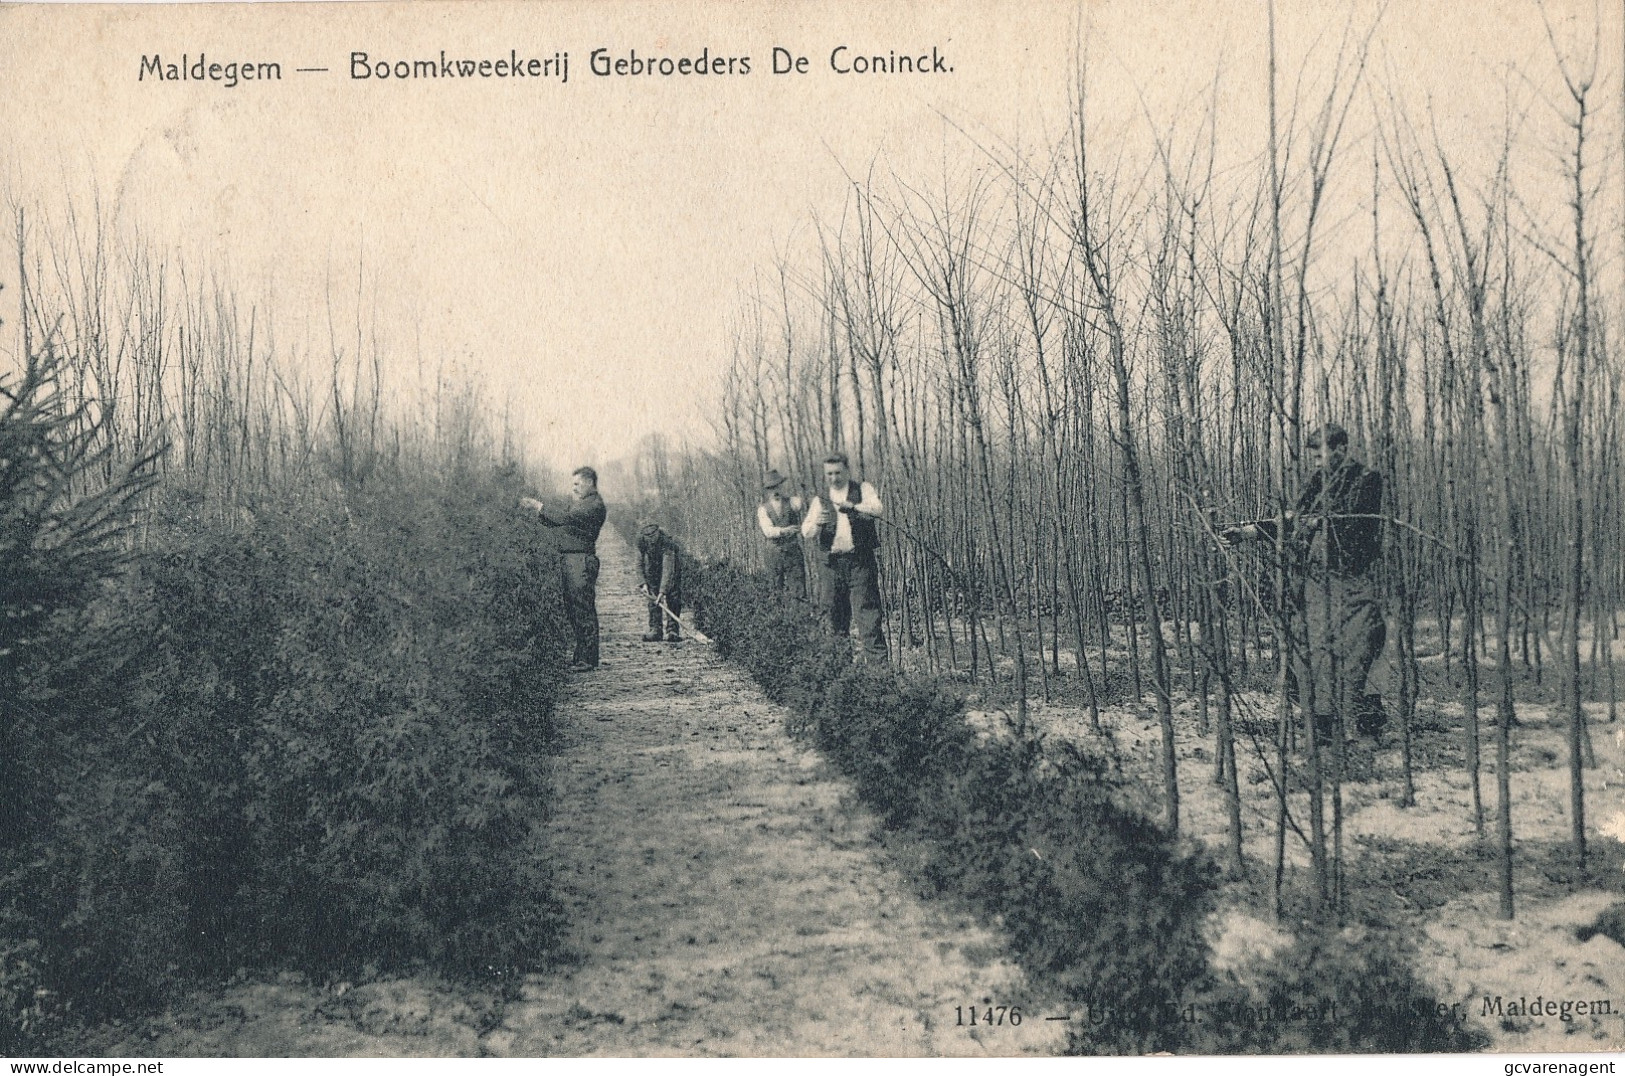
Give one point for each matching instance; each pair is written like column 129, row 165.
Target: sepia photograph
column 976, row 529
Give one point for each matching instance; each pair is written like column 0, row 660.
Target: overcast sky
column 580, row 245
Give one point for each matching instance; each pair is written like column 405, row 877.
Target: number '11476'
column 990, row 1016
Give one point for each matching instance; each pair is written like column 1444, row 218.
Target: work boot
column 674, row 637
column 651, row 636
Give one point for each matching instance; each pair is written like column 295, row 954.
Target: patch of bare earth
column 1421, row 871
column 727, row 898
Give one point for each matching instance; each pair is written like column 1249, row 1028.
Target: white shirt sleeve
column 764, row 521
column 815, row 516
column 871, row 504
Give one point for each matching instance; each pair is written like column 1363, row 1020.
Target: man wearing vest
column 779, row 518
column 848, row 539
column 578, row 561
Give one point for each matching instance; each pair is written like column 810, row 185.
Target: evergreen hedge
column 1093, row 897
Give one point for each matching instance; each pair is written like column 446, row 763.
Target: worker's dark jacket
column 658, row 562
column 581, row 523
column 1348, row 505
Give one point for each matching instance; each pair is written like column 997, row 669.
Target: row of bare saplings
column 155, row 350
column 1065, row 385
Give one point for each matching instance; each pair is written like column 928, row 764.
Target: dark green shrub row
column 1610, row 923
column 1092, row 896
column 313, row 738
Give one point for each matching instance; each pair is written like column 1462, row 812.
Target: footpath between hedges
column 725, row 893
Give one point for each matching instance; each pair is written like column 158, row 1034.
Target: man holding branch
column 779, row 517
column 578, row 561
column 843, row 521
column 1336, row 530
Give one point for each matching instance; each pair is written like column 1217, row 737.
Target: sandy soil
column 1421, row 870
column 727, row 896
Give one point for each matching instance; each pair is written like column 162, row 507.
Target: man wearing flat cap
column 660, row 568
column 1336, row 534
column 579, row 525
column 779, row 517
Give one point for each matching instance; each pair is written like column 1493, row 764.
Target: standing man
column 780, row 518
column 660, row 568
column 1337, row 528
column 848, row 540
column 578, row 561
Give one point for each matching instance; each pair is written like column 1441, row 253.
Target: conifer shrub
column 1610, row 923
column 308, row 734
column 1330, row 993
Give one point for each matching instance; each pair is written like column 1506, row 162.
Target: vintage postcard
column 955, row 529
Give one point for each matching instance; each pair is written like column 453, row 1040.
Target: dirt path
column 726, row 894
